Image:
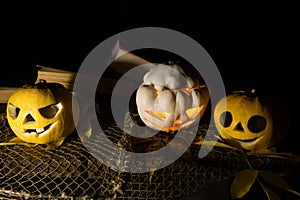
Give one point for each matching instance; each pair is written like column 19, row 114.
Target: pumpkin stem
column 170, row 62
column 41, row 84
column 252, row 93
column 43, row 81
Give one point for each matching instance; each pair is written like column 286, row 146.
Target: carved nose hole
column 29, row 119
column 239, row 127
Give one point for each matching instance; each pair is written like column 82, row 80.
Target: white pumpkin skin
column 169, row 100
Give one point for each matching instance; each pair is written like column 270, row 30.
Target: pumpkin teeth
column 40, row 130
column 30, row 131
column 37, row 130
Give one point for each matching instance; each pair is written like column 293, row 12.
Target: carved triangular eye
column 162, row 116
column 50, row 111
column 13, row 111
column 193, row 112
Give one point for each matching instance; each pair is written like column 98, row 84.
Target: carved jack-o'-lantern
column 245, row 121
column 41, row 113
column 169, row 100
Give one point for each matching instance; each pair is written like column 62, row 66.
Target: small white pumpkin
column 169, row 99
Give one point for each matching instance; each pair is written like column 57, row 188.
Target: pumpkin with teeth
column 169, row 99
column 41, row 114
column 244, row 120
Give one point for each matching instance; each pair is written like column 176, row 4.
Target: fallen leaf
column 243, row 182
column 270, row 194
column 278, row 181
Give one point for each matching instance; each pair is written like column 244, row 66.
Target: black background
column 254, row 45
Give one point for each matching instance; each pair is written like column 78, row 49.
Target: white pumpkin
column 169, row 99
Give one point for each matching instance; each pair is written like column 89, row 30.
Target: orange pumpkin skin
column 245, row 121
column 41, row 113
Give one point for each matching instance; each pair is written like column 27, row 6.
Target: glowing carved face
column 41, row 113
column 168, row 100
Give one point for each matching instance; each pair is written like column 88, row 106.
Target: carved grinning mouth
column 34, row 133
column 245, row 141
column 38, row 130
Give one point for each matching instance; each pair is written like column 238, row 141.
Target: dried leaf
column 262, row 152
column 274, row 179
column 151, row 173
column 18, row 141
column 243, row 182
column 213, row 143
column 270, row 153
column 270, row 194
column 278, row 181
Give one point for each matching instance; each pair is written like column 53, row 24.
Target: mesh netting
column 71, row 171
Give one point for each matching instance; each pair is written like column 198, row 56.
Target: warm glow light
column 188, row 91
column 162, row 116
column 157, row 114
column 192, row 112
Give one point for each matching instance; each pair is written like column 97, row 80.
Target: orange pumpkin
column 246, row 121
column 41, row 113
